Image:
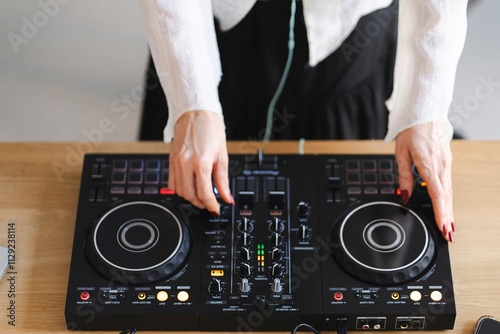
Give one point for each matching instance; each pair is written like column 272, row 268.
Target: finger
column 449, row 191
column 437, row 176
column 204, row 188
column 221, row 179
column 185, row 184
column 171, row 175
column 440, row 205
column 405, row 172
column 446, row 182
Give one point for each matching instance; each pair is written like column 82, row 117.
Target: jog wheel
column 383, row 243
column 138, row 243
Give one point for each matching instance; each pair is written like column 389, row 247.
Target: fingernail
column 453, row 227
column 445, row 230
column 232, row 199
column 450, row 237
column 214, row 214
column 404, row 196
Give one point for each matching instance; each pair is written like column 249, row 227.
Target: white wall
column 69, row 67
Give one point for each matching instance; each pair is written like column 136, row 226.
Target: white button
column 182, row 296
column 415, row 296
column 436, row 296
column 162, row 296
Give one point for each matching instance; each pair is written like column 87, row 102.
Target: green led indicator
column 260, row 249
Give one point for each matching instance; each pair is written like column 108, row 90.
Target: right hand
column 427, row 146
column 198, row 151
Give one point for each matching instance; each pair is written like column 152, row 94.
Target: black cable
column 342, row 327
column 130, row 330
column 311, row 328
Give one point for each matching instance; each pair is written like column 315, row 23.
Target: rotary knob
column 275, row 239
column 245, row 225
column 276, row 225
column 276, row 287
column 245, row 239
column 244, row 286
column 303, row 232
column 244, row 254
column 245, row 270
column 276, row 254
column 215, row 286
column 303, row 209
column 276, row 270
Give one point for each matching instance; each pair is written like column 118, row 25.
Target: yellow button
column 217, row 273
column 141, row 295
column 436, row 296
column 182, row 296
column 416, row 296
column 162, row 296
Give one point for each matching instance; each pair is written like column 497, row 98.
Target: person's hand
column 427, row 146
column 198, row 151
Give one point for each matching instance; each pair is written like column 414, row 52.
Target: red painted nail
column 213, row 213
column 404, row 196
column 445, row 230
column 450, row 236
column 453, row 227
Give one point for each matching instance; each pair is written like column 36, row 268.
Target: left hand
column 427, row 146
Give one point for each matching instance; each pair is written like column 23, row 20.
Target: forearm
column 430, row 40
column 183, row 45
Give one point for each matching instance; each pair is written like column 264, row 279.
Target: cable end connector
column 341, row 326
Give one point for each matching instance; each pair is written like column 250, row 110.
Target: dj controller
column 317, row 239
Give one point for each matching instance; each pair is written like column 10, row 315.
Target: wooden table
column 39, row 185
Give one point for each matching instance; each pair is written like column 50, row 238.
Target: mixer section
column 260, row 270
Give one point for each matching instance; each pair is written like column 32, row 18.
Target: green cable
column 274, row 100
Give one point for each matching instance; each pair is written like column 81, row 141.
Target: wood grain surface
column 39, row 184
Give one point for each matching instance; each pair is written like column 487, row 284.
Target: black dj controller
column 317, row 239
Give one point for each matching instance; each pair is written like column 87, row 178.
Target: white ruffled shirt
column 182, row 40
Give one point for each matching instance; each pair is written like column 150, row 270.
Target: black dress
column 343, row 97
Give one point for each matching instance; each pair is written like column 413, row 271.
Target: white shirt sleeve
column 430, row 41
column 183, row 45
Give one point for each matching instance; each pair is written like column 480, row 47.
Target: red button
column 338, row 295
column 84, row 295
column 166, row 191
